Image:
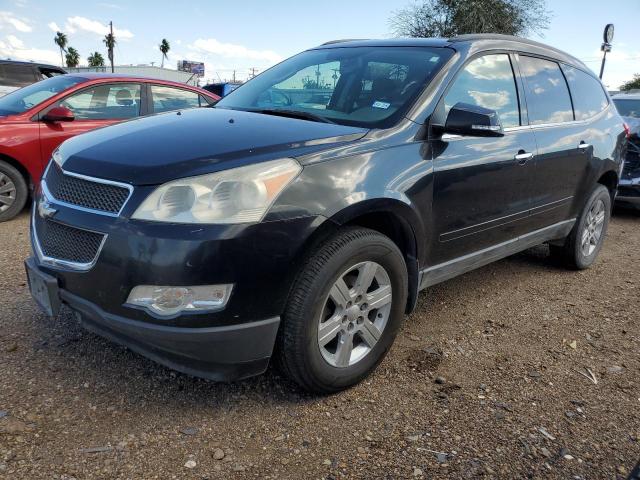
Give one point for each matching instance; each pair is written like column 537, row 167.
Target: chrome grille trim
column 50, row 195
column 56, row 262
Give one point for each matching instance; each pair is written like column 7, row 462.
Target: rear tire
column 13, row 191
column 583, row 244
column 327, row 345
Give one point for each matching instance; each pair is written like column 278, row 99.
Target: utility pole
column 234, row 76
column 253, row 71
column 606, row 45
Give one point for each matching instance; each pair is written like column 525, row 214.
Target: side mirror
column 58, row 114
column 466, row 119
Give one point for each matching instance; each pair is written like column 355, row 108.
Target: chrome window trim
column 55, row 262
column 48, row 193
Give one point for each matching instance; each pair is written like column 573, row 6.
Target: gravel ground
column 488, row 378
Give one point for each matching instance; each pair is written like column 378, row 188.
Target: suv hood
column 156, row 149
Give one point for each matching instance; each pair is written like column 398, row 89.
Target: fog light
column 167, row 301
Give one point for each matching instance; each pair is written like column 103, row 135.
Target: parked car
column 628, row 106
column 210, row 239
column 14, row 75
column 221, row 89
column 36, row 119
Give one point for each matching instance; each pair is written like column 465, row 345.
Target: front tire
column 583, row 244
column 13, row 192
column 344, row 311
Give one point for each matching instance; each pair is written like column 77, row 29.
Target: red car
column 35, row 119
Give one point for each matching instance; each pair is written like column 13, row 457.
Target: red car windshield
column 28, row 97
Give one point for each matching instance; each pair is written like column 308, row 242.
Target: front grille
column 103, row 197
column 62, row 242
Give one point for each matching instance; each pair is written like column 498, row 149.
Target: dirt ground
column 489, row 378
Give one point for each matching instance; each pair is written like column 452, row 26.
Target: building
column 143, row 71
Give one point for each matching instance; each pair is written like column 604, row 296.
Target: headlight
column 239, row 195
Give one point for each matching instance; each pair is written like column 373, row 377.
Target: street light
column 606, row 45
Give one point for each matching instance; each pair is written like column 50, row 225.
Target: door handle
column 522, row 157
column 583, row 146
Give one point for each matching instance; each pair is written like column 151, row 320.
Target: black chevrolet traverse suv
column 300, row 217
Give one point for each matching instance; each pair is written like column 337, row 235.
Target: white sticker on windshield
column 379, row 104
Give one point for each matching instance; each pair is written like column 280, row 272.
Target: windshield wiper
column 292, row 114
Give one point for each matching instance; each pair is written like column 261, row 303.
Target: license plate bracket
column 44, row 288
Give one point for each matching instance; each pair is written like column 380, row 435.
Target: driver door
column 482, row 186
column 93, row 107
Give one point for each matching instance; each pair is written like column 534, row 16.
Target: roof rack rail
column 331, row 42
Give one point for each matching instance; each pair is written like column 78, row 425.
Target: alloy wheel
column 7, row 192
column 356, row 312
column 594, row 225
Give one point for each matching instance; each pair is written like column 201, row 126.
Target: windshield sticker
column 379, row 104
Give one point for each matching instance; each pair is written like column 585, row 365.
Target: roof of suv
column 484, row 41
column 37, row 64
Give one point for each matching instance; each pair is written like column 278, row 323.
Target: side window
column 105, row 102
column 17, row 75
column 168, row 98
column 588, row 96
column 548, row 99
column 488, row 82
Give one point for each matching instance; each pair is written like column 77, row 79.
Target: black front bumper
column 217, row 353
column 259, row 260
column 220, row 353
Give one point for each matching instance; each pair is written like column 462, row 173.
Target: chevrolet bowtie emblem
column 45, row 210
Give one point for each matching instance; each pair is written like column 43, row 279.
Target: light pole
column 606, row 45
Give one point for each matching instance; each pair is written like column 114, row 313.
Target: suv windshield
column 359, row 86
column 628, row 108
column 25, row 98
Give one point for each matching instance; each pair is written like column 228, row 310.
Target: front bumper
column 259, row 260
column 220, row 353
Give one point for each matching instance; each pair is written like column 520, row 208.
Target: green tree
column 164, row 49
column 72, row 57
column 61, row 41
column 96, row 60
column 110, row 42
column 633, row 84
column 448, row 18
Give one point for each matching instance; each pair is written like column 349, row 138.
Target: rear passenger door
column 165, row 98
column 481, row 190
column 564, row 146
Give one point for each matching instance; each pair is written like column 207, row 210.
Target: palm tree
column 61, row 41
column 110, row 42
column 73, row 57
column 96, row 60
column 164, row 48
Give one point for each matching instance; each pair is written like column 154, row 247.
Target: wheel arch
column 390, row 217
column 610, row 180
column 18, row 166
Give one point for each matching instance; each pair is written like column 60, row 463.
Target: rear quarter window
column 588, row 96
column 548, row 99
